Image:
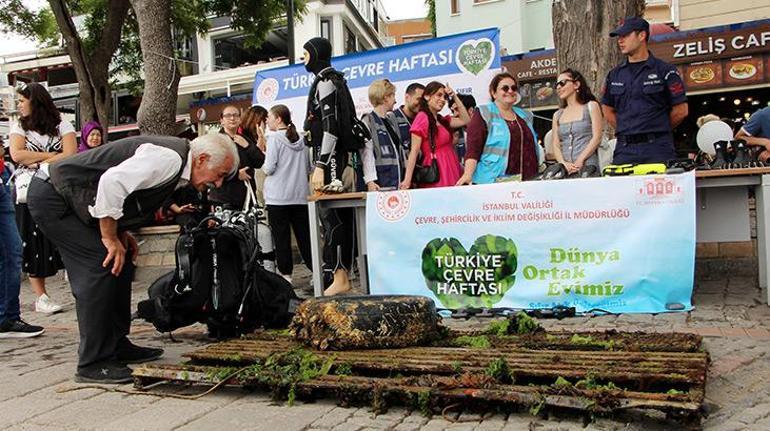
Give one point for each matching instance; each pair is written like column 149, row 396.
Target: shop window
column 126, row 108
column 61, row 76
column 230, row 51
column 186, row 53
column 351, row 43
column 326, row 28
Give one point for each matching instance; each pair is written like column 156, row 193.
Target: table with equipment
column 356, row 201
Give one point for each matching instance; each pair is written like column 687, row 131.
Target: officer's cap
column 629, row 24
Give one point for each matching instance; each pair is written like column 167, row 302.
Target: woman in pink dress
column 429, row 124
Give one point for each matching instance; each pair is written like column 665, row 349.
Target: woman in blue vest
column 500, row 142
column 382, row 157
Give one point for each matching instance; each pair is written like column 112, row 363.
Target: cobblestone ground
column 37, row 373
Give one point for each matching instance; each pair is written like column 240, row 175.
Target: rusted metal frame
column 575, row 399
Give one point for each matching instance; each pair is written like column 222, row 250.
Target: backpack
column 220, row 281
column 353, row 133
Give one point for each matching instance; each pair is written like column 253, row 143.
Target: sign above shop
column 715, row 46
column 707, row 58
column 534, row 68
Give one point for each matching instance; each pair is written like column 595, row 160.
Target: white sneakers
column 44, row 304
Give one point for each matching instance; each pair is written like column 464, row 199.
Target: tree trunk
column 157, row 112
column 581, row 31
column 92, row 70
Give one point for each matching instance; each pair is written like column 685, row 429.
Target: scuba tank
column 265, row 240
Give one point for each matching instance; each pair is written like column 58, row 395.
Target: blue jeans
column 10, row 255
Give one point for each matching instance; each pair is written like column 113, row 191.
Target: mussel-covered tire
column 366, row 322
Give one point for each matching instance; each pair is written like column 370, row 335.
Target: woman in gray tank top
column 577, row 126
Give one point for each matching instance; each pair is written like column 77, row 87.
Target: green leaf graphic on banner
column 479, row 277
column 474, row 56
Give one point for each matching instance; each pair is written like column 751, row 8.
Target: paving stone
column 347, row 426
column 18, row 410
column 740, row 299
column 35, row 427
column 518, row 421
column 26, row 383
column 436, row 424
column 249, row 414
column 93, row 412
column 708, row 299
column 670, row 318
column 742, row 283
column 333, row 417
column 707, row 314
column 494, row 423
column 167, row 414
column 711, row 287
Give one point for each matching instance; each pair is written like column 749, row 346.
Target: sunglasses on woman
column 507, row 88
column 563, row 82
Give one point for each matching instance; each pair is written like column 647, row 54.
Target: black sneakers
column 19, row 329
column 106, row 372
column 133, row 354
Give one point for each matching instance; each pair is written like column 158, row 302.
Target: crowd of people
column 74, row 205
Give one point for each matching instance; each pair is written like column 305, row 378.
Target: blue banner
column 466, row 61
column 621, row 245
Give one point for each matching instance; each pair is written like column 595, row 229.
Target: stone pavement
column 35, row 374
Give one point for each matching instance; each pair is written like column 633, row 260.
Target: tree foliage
column 432, row 15
column 37, row 25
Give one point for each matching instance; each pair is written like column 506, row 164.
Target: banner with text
column 622, row 245
column 467, row 61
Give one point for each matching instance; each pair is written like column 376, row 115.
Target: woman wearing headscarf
column 91, row 136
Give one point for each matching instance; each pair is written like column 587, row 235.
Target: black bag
column 219, row 281
column 427, row 174
column 353, row 133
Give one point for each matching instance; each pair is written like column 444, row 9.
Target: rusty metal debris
column 595, row 372
column 362, row 322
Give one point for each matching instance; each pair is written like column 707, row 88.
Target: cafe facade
column 726, row 70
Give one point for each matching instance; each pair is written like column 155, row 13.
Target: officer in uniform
column 643, row 99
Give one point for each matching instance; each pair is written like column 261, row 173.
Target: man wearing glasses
column 643, row 99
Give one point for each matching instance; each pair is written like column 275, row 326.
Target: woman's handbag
column 21, row 179
column 428, row 174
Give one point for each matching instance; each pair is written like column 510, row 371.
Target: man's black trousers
column 102, row 301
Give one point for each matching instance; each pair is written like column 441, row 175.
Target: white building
column 524, row 24
column 221, row 67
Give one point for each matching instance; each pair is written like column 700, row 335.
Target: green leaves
column 254, row 17
column 40, row 25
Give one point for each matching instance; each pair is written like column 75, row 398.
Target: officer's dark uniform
column 642, row 96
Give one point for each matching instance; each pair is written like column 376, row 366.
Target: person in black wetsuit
column 330, row 158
